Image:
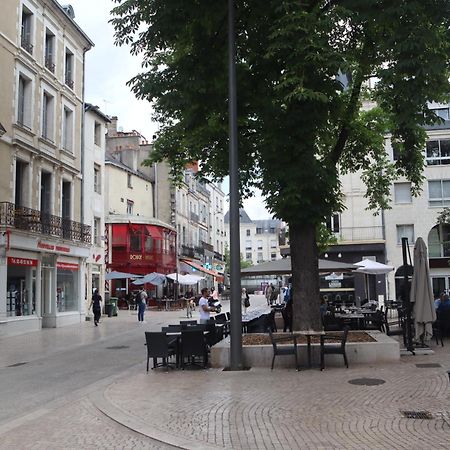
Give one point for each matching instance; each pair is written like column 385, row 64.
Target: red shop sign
column 13, row 261
column 66, row 266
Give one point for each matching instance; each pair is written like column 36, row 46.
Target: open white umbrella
column 422, row 293
column 153, row 278
column 120, row 276
column 369, row 267
column 185, row 279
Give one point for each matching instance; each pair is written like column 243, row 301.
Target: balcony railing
column 50, row 64
column 32, row 220
column 194, row 217
column 26, row 45
column 69, row 82
column 188, row 251
column 360, row 234
column 218, row 256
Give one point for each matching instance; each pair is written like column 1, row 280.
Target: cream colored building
column 43, row 244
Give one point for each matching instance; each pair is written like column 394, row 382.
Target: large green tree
column 302, row 74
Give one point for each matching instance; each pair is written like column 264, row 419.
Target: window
column 24, row 101
column 248, row 232
column 68, row 66
column 260, row 245
column 97, row 134
column 405, row 231
column 248, row 256
column 67, row 142
column 260, row 258
column 333, row 223
column 129, row 180
column 130, row 205
column 248, row 245
column 97, row 179
column 47, row 116
column 135, row 241
column 49, row 59
column 439, row 193
column 439, row 241
column 438, row 152
column 441, row 112
column 259, row 231
column 27, row 23
column 272, row 230
column 402, row 192
column 273, row 244
column 96, row 230
column 273, row 256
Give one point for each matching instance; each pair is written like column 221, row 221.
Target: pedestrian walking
column 269, row 292
column 142, row 304
column 96, row 305
column 245, row 298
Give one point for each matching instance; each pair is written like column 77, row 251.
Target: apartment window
column 67, row 129
column 333, row 223
column 248, row 245
column 24, row 101
column 49, row 50
column 129, row 184
column 47, row 116
column 96, row 230
column 273, row 244
column 130, row 205
column 68, row 66
column 272, row 230
column 402, row 193
column 438, row 152
column 273, row 256
column 259, row 231
column 405, row 231
column 260, row 258
column 259, row 245
column 248, row 256
column 439, row 193
column 27, row 24
column 97, row 179
column 439, row 242
column 97, row 134
column 248, row 232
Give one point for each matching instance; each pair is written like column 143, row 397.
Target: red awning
column 154, row 231
column 200, row 267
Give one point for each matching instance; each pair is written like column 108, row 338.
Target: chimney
column 112, row 126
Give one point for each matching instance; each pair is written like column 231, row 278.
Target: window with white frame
column 24, row 97
column 259, row 244
column 48, row 108
column 97, row 230
column 406, row 231
column 439, row 193
column 333, row 223
column 49, row 56
column 402, row 193
column 248, row 232
column 129, row 180
column 248, row 256
column 438, row 152
column 248, row 244
column 260, row 258
column 273, row 256
column 26, row 41
column 97, row 179
column 68, row 69
column 67, row 131
column 273, row 244
column 97, row 134
column 130, row 205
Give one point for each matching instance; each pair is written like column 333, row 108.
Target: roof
column 283, row 267
column 96, row 110
column 115, row 162
column 267, row 224
column 243, row 217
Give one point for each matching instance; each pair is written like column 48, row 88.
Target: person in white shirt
column 204, row 307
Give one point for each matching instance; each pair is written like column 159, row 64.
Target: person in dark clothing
column 96, row 306
column 287, row 310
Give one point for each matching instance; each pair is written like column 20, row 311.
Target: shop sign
column 22, row 261
column 135, row 257
column 58, row 248
column 335, row 284
column 66, row 266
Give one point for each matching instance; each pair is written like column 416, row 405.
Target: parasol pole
column 406, row 300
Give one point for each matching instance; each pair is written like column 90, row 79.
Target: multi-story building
column 44, row 244
column 259, row 239
column 93, row 203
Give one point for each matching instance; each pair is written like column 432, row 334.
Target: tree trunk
column 305, row 277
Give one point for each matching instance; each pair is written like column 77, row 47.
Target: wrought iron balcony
column 26, row 44
column 37, row 222
column 218, row 256
column 186, row 250
column 49, row 64
column 69, row 82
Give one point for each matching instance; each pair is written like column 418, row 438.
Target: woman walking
column 96, row 305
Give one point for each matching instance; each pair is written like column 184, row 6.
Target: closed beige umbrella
column 422, row 294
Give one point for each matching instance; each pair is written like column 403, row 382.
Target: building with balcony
column 44, row 242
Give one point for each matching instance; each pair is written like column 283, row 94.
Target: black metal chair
column 374, row 321
column 159, row 345
column 441, row 327
column 394, row 327
column 333, row 344
column 331, row 323
column 193, row 345
column 290, row 349
column 188, row 322
column 222, row 318
column 171, row 329
column 270, row 321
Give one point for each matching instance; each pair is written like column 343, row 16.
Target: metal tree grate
column 423, row 415
column 424, row 366
column 117, row 347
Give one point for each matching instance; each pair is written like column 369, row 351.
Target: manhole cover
column 367, row 381
column 17, row 364
column 117, row 347
column 423, row 366
column 424, row 415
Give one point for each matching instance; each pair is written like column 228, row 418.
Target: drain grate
column 228, row 369
column 367, row 381
column 17, row 364
column 117, row 347
column 423, row 415
column 424, row 366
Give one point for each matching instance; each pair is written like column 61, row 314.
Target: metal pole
column 406, row 300
column 235, row 259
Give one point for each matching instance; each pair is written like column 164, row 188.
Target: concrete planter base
column 383, row 349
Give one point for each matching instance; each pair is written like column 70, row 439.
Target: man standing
column 269, row 291
column 142, row 305
column 204, row 307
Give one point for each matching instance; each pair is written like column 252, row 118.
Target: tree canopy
column 304, row 68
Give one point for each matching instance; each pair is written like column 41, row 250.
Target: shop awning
column 199, row 267
column 154, row 232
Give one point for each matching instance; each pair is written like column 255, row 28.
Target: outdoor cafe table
column 253, row 315
column 177, row 336
column 309, row 334
column 352, row 317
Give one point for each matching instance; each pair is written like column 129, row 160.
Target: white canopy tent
column 370, row 267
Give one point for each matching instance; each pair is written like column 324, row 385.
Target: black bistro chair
column 441, row 327
column 290, row 349
column 333, row 344
column 159, row 345
column 193, row 345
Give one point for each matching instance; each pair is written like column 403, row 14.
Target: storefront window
column 21, row 286
column 66, row 290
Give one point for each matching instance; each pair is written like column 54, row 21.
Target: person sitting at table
column 444, row 304
column 204, row 307
column 437, row 300
column 323, row 307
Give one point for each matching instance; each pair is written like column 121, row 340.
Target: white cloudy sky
column 108, row 68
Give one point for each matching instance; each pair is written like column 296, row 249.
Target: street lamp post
column 235, row 260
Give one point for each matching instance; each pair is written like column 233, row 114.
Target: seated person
column 444, row 304
column 323, row 307
column 438, row 300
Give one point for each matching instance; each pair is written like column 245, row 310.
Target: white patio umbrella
column 120, row 276
column 422, row 293
column 153, row 278
column 185, row 279
column 369, row 267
